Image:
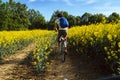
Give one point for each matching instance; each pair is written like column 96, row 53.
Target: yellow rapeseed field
column 101, row 41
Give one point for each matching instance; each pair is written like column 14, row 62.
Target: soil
column 76, row 67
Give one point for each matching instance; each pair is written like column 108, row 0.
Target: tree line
column 17, row 16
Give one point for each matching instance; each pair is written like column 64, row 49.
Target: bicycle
column 62, row 45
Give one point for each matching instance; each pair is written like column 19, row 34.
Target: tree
column 78, row 20
column 14, row 16
column 4, row 17
column 36, row 19
column 21, row 16
column 98, row 18
column 50, row 25
column 114, row 18
column 85, row 18
column 0, row 2
column 72, row 20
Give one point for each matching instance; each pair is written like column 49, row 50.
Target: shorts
column 60, row 33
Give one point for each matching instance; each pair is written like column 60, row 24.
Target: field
column 100, row 43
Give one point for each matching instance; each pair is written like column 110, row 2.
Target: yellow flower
column 105, row 48
column 34, row 56
column 115, row 36
column 118, row 69
column 109, row 57
column 47, row 63
column 96, row 33
column 34, row 63
column 116, row 57
column 109, row 36
column 46, row 57
column 119, row 44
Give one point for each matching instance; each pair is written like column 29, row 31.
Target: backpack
column 63, row 22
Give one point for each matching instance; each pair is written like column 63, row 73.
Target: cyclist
column 61, row 26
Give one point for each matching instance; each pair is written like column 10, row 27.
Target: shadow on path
column 76, row 67
column 84, row 68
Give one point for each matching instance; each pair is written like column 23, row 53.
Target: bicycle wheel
column 63, row 57
column 62, row 52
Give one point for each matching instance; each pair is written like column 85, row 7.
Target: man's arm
column 56, row 27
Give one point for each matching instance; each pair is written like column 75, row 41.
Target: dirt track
column 76, row 67
column 7, row 67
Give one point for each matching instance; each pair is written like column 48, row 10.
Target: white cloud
column 36, row 0
column 32, row 0
column 90, row 1
column 68, row 2
column 87, row 1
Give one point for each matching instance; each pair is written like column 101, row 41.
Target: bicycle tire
column 62, row 51
column 63, row 57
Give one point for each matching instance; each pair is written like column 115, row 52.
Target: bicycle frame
column 62, row 45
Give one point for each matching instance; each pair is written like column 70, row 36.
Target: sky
column 73, row 7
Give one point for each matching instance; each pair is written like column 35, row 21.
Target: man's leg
column 65, row 47
column 65, row 43
column 58, row 40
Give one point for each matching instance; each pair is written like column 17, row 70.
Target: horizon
column 76, row 7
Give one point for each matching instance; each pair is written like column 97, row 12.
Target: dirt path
column 76, row 67
column 7, row 67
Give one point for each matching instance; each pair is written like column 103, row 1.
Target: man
column 61, row 26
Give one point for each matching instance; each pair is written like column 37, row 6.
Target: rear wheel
column 63, row 57
column 62, row 52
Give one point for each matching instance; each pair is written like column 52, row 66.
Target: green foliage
column 36, row 19
column 114, row 18
column 14, row 16
column 97, row 18
column 101, row 42
column 78, row 20
column 13, row 41
column 44, row 47
column 85, row 19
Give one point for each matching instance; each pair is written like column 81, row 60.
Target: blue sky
column 73, row 7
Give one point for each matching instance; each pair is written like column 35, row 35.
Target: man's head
column 59, row 15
